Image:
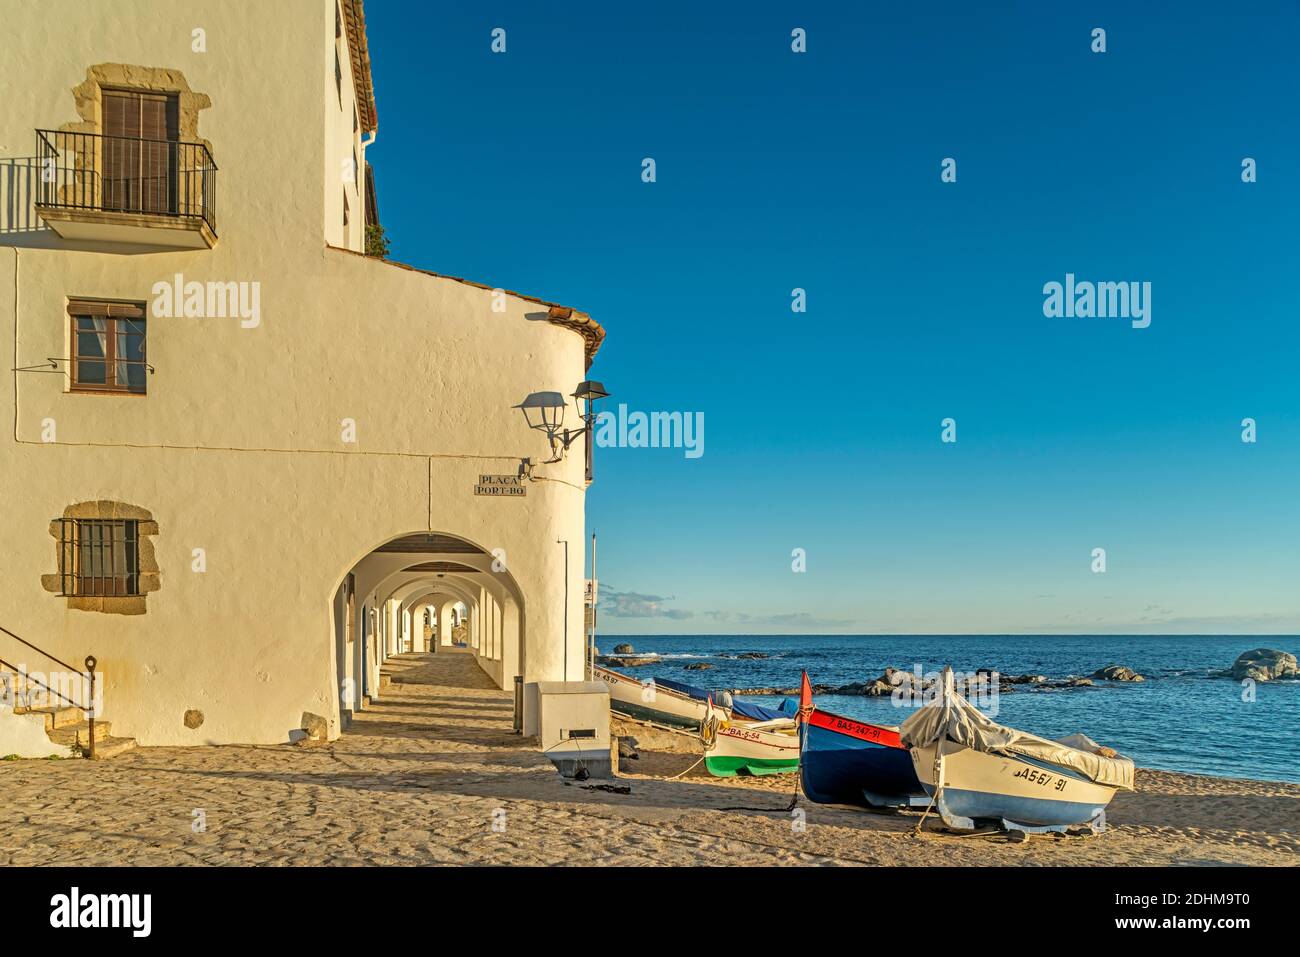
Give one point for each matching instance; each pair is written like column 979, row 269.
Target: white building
column 238, row 498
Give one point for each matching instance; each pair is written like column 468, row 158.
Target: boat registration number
column 1041, row 778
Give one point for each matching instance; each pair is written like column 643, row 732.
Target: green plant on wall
column 376, row 243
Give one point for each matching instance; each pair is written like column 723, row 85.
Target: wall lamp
column 544, row 411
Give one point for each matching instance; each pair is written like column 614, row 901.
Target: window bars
column 99, row 557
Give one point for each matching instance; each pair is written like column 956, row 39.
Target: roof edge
column 354, row 18
column 592, row 332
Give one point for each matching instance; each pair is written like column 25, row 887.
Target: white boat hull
column 649, row 702
column 1021, row 793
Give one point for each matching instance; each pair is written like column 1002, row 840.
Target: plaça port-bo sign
column 500, row 485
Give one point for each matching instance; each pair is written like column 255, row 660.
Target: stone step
column 56, row 717
column 72, row 734
column 112, row 747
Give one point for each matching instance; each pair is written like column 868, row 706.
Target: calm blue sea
column 1180, row 719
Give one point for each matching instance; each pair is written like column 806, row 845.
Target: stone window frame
column 88, row 98
column 125, row 76
column 148, row 575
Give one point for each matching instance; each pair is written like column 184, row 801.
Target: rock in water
column 1117, row 673
column 699, row 666
column 625, row 661
column 1265, row 664
column 623, row 649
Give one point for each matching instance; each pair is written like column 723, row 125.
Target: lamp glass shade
column 590, row 390
column 543, row 410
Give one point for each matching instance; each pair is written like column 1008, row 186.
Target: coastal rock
column 624, row 649
column 627, row 661
column 1064, row 684
column 787, row 692
column 880, row 687
column 699, row 666
column 1265, row 664
column 1117, row 673
column 751, row 654
column 907, row 685
column 872, row 689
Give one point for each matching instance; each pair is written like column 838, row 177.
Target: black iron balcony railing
column 126, row 174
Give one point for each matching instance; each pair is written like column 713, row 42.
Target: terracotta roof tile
column 354, row 18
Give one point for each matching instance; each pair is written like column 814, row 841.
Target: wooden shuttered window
column 108, row 346
column 141, row 130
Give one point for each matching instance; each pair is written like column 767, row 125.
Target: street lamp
column 544, row 411
column 588, row 393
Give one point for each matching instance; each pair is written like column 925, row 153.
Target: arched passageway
column 384, row 602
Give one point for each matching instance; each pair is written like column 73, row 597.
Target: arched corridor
column 413, row 595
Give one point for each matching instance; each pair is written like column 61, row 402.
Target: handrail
column 28, row 676
column 42, row 651
column 198, row 144
column 90, row 662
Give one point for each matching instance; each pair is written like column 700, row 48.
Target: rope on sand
column 688, row 770
column 934, row 797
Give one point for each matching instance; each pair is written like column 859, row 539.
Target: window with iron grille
column 108, row 346
column 99, row 556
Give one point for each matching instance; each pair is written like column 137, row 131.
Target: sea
column 1183, row 717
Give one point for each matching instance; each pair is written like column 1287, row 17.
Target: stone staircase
column 64, row 724
column 68, row 726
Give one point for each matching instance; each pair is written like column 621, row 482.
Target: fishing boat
column 674, row 703
column 653, row 700
column 844, row 761
column 757, row 748
column 979, row 772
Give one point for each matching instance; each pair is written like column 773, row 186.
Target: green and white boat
column 763, row 747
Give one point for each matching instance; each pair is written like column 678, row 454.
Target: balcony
column 123, row 189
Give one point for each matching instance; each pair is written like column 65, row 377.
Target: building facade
column 219, row 476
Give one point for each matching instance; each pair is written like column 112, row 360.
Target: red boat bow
column 887, row 737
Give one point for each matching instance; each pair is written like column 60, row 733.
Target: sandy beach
column 433, row 775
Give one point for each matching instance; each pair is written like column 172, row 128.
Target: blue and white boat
column 978, row 772
column 845, row 761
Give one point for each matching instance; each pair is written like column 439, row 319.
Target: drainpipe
column 361, row 184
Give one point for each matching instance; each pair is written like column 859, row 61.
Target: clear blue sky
column 822, row 170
